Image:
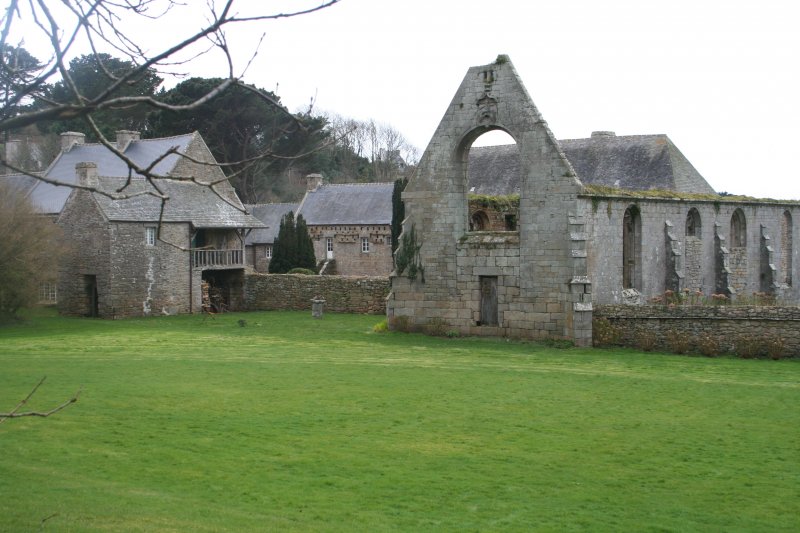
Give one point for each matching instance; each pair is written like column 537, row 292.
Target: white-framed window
column 268, row 253
column 329, row 244
column 48, row 292
column 150, row 236
column 365, row 245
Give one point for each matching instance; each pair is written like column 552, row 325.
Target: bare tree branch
column 14, row 413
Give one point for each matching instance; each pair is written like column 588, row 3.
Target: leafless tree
column 74, row 26
column 16, row 413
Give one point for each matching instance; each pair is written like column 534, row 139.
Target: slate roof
column 270, row 215
column 51, row 198
column 634, row 162
column 188, row 202
column 348, row 203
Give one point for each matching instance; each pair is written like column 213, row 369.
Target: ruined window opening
column 479, row 221
column 738, row 229
column 693, row 223
column 631, row 249
column 786, row 245
column 511, row 222
column 492, row 177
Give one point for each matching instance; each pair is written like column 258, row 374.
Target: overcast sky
column 720, row 78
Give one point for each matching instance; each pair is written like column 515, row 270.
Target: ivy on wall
column 407, row 256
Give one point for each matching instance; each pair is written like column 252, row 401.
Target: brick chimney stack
column 313, row 182
column 87, row 174
column 124, row 138
column 70, row 139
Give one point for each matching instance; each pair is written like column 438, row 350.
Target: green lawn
column 296, row 424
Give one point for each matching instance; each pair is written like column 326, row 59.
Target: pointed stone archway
column 543, row 289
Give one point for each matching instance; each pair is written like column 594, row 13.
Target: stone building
column 349, row 225
column 128, row 256
column 522, row 240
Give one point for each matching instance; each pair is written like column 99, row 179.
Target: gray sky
column 720, row 78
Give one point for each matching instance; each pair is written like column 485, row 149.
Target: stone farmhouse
column 349, row 224
column 128, row 256
column 581, row 222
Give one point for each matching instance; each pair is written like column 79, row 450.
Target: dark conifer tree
column 284, row 249
column 305, row 248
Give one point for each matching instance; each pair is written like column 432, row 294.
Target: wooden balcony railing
column 217, row 258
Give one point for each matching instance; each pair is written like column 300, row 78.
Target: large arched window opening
column 493, row 182
column 738, row 230
column 632, row 249
column 693, row 251
column 693, row 223
column 786, row 248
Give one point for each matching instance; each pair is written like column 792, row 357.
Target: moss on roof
column 604, row 191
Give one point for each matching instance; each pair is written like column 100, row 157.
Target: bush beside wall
column 273, row 292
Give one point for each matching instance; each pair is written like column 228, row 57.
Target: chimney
column 70, row 139
column 124, row 138
column 313, row 182
column 596, row 134
column 87, row 174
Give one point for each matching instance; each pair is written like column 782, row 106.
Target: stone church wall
column 705, row 262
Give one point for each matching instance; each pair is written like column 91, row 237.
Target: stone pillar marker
column 317, row 307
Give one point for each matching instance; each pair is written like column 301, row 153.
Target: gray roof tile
column 270, row 215
column 50, row 198
column 348, row 203
column 634, row 162
column 188, row 202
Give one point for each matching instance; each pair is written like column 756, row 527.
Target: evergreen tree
column 305, row 248
column 284, row 249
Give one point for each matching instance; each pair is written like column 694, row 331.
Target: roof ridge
column 356, row 184
column 137, row 140
column 641, row 135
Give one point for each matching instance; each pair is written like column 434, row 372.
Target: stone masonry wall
column 148, row 279
column 273, row 292
column 705, row 264
column 726, row 324
column 350, row 259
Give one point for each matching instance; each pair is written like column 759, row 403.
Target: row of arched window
column 631, row 241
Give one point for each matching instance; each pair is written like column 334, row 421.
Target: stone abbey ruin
column 585, row 231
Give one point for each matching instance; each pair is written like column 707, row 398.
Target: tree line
column 265, row 149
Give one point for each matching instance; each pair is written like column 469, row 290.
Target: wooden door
column 488, row 300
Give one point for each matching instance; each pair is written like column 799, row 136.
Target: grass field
column 296, row 424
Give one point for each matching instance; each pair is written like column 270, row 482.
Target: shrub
column 604, row 333
column 707, row 345
column 452, row 334
column 646, row 341
column 747, row 346
column 775, row 347
column 677, row 342
column 381, row 327
column 436, row 327
column 401, row 323
column 305, row 271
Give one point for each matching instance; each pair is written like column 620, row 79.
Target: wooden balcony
column 217, row 259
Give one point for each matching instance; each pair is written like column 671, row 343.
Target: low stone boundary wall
column 725, row 324
column 342, row 294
